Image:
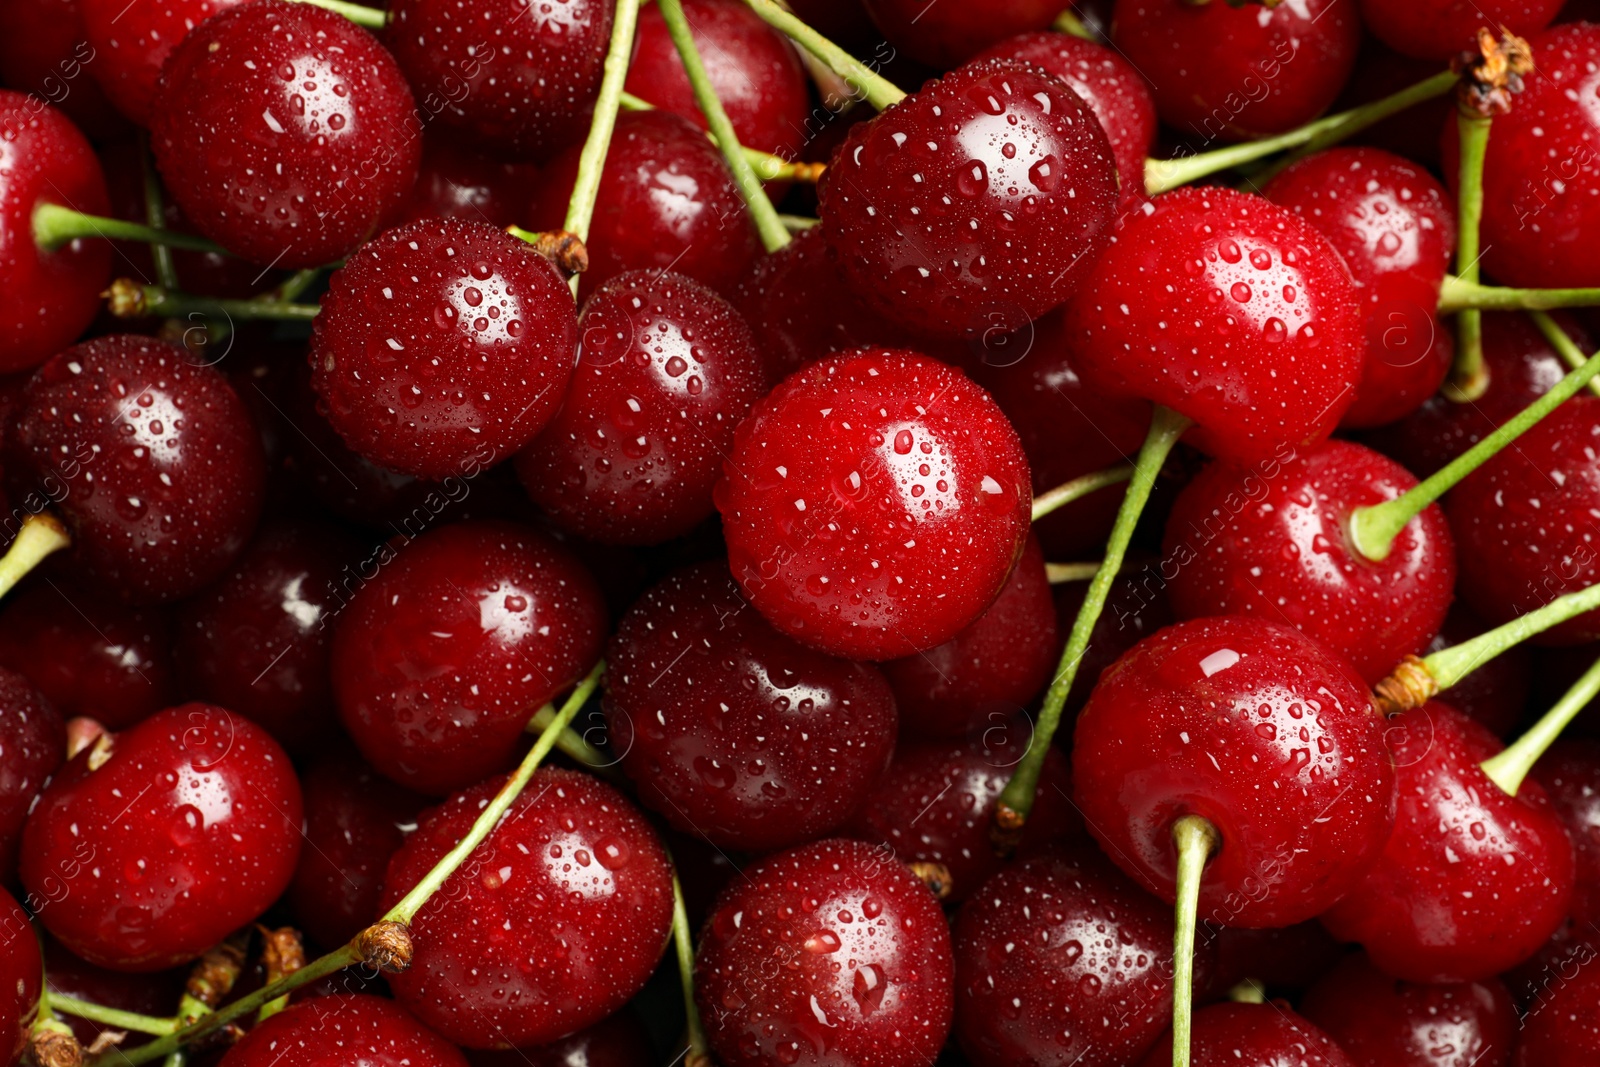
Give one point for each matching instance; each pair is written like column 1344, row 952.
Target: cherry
column 874, row 504
column 1440, row 29
column 1380, row 1020
column 43, row 52
column 1289, row 957
column 47, row 297
column 130, row 45
column 1496, row 694
column 152, row 845
column 618, row 1041
column 157, row 463
column 282, row 132
column 734, row 732
column 1228, row 309
column 442, row 343
column 146, row 994
column 828, row 953
column 945, row 36
column 458, row 182
column 440, row 659
column 519, row 81
column 1061, row 959
column 1570, row 775
column 1473, row 880
column 1262, row 731
column 1252, row 1035
column 338, row 1030
column 666, row 202
column 976, row 204
column 665, row 372
column 1233, row 73
column 552, row 924
column 1412, row 132
column 33, row 744
column 20, row 973
column 1564, row 1031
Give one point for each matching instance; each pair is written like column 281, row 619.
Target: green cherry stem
column 769, row 167
column 573, row 745
column 40, row 535
column 1068, row 22
column 798, row 223
column 1468, row 380
column 1016, row 800
column 127, row 299
column 1195, row 839
column 1511, row 765
column 1458, row 294
column 1248, row 991
column 1374, row 528
column 55, row 225
column 873, row 87
column 1570, row 353
column 1061, row 573
column 683, row 946
column 371, row 18
column 155, row 214
column 113, row 1017
column 1077, row 488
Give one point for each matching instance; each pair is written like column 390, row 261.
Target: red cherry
column 33, row 743
column 552, row 924
column 1230, row 310
column 978, row 203
column 156, row 463
column 20, row 972
column 734, row 732
column 337, row 1031
column 1252, row 1035
column 1288, row 958
column 46, row 298
column 874, row 504
column 1233, row 73
column 1496, row 694
column 1564, row 1031
column 1260, row 730
column 1439, row 29
column 441, row 658
column 43, row 51
column 618, row 1041
column 443, row 343
column 945, row 35
column 457, row 182
column 147, row 994
column 666, row 370
column 1472, row 881
column 1570, row 774
column 1381, row 1020
column 192, row 821
column 283, row 131
column 520, row 82
column 830, row 953
column 131, row 43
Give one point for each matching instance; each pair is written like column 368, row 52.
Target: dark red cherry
column 43, row 51
column 147, row 994
column 980, row 202
column 131, row 43
column 945, row 35
column 169, row 836
column 158, row 464
column 285, row 132
column 1564, row 1030
column 1570, row 774
column 519, row 81
column 1220, row 72
column 666, row 202
column 829, row 953
column 1262, row 731
column 1439, row 29
column 1496, row 694
column 1412, row 132
column 1381, row 1020
column 33, row 742
column 1252, row 1035
column 457, row 182
column 1288, row 958
column 440, row 659
column 21, row 972
column 1228, row 309
column 337, row 1031
column 734, row 732
column 1472, row 881
column 665, row 372
column 618, row 1041
column 874, row 504
column 443, row 342
column 552, row 924
column 46, row 298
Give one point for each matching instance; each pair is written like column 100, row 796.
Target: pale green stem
column 128, row 299
column 371, row 18
column 1077, row 488
column 1458, row 294
column 1511, row 765
column 873, row 87
column 112, row 1017
column 155, row 214
column 1449, row 665
column 1468, row 378
column 1196, row 840
column 54, row 226
column 768, row 167
column 40, row 535
column 1061, row 573
column 683, row 945
column 1365, row 116
column 1068, row 22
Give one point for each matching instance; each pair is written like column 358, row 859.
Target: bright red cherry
column 1472, row 881
column 1440, row 29
column 442, row 657
column 285, row 132
column 1228, row 309
column 1262, row 731
column 1496, row 694
column 170, row 836
column 874, row 504
column 731, row 730
column 978, row 203
column 830, row 953
column 358, row 1030
column 21, row 974
column 158, row 464
column 33, row 742
column 620, row 1040
column 551, row 925
column 946, row 35
column 457, row 182
column 43, row 52
column 1570, row 774
column 131, row 43
column 1252, row 1035
column 46, row 298
column 1564, row 1031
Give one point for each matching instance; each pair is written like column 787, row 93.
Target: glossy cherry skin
column 131, row 43
column 1439, row 29
column 21, row 973
column 1496, row 693
column 666, row 370
column 1564, row 1031
column 285, row 132
column 552, row 924
column 666, row 202
column 980, row 202
column 874, row 504
column 829, row 953
column 156, row 462
column 147, row 994
column 1382, row 1021
column 358, row 1030
column 43, row 52
column 518, row 80
column 1472, row 881
column 33, row 743
column 1220, row 72
column 46, row 298
column 442, row 342
column 734, row 732
column 944, row 36
column 1570, row 775
column 1228, row 309
column 188, row 830
column 458, row 182
column 1258, row 728
column 442, row 657
column 618, row 1041
column 1272, row 541
column 1252, row 1035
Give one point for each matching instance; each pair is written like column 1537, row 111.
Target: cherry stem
column 573, row 745
column 1458, row 294
column 799, row 223
column 55, row 225
column 1468, row 379
column 1374, row 528
column 155, row 215
column 40, row 535
column 1061, row 573
column 1511, row 765
column 127, row 299
column 1248, row 991
column 873, row 87
column 293, row 286
column 1448, row 666
column 371, row 18
column 1067, row 492
column 769, row 167
column 1016, row 800
column 683, row 944
column 1068, row 22
column 1195, row 839
column 1161, row 175
column 114, row 1017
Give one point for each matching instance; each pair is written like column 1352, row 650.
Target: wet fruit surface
column 338, row 1030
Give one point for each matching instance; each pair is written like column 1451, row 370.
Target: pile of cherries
column 589, row 532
